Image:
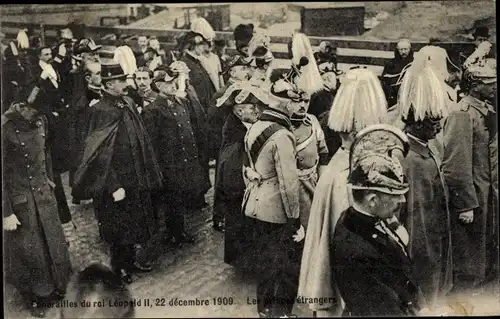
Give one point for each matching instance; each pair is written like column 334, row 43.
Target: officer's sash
column 254, row 150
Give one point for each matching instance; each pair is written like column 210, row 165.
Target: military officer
column 238, row 71
column 360, row 102
column 468, row 133
column 423, row 105
column 369, row 259
column 229, row 184
column 36, row 255
column 168, row 123
column 118, row 171
column 271, row 199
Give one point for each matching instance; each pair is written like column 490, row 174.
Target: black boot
column 140, row 259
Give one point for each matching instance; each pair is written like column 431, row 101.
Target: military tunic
column 36, row 253
column 169, row 125
column 372, row 269
column 311, row 152
column 468, row 173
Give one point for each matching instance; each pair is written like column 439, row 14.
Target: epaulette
column 93, row 102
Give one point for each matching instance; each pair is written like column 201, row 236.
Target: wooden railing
column 350, row 50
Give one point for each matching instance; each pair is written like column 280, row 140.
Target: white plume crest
column 126, row 58
column 423, row 86
column 22, row 39
column 360, row 101
column 310, row 79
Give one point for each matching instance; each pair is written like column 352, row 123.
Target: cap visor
column 489, row 80
column 115, row 77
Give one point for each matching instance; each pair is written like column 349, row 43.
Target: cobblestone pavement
column 195, row 272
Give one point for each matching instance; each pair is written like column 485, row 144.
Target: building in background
column 331, row 18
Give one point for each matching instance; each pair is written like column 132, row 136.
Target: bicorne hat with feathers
column 258, row 48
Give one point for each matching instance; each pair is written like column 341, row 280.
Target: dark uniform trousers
column 278, row 267
column 122, row 240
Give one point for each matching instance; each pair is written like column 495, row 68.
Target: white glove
column 62, row 50
column 44, row 75
column 10, row 223
column 466, row 217
column 299, row 235
column 119, row 195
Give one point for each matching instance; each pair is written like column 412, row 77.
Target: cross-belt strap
column 260, row 141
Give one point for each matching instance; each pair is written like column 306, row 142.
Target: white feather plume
column 22, row 39
column 359, row 102
column 422, row 88
column 201, row 26
column 126, row 58
column 310, row 79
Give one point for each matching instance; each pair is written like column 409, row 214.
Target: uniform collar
column 418, row 146
column 482, row 107
column 167, row 100
column 20, row 122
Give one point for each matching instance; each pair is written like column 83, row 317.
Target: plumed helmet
column 360, row 101
column 437, row 58
column 309, row 78
column 374, row 160
column 202, row 27
column 422, row 93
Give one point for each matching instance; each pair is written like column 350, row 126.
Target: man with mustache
column 169, row 125
column 229, row 184
column 470, row 151
column 370, row 261
column 118, row 171
column 144, row 95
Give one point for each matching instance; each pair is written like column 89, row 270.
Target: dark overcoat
column 372, row 270
column 199, row 79
column 428, row 222
column 118, row 154
column 230, row 187
column 36, row 253
column 169, row 126
column 79, row 125
column 50, row 99
column 468, row 156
